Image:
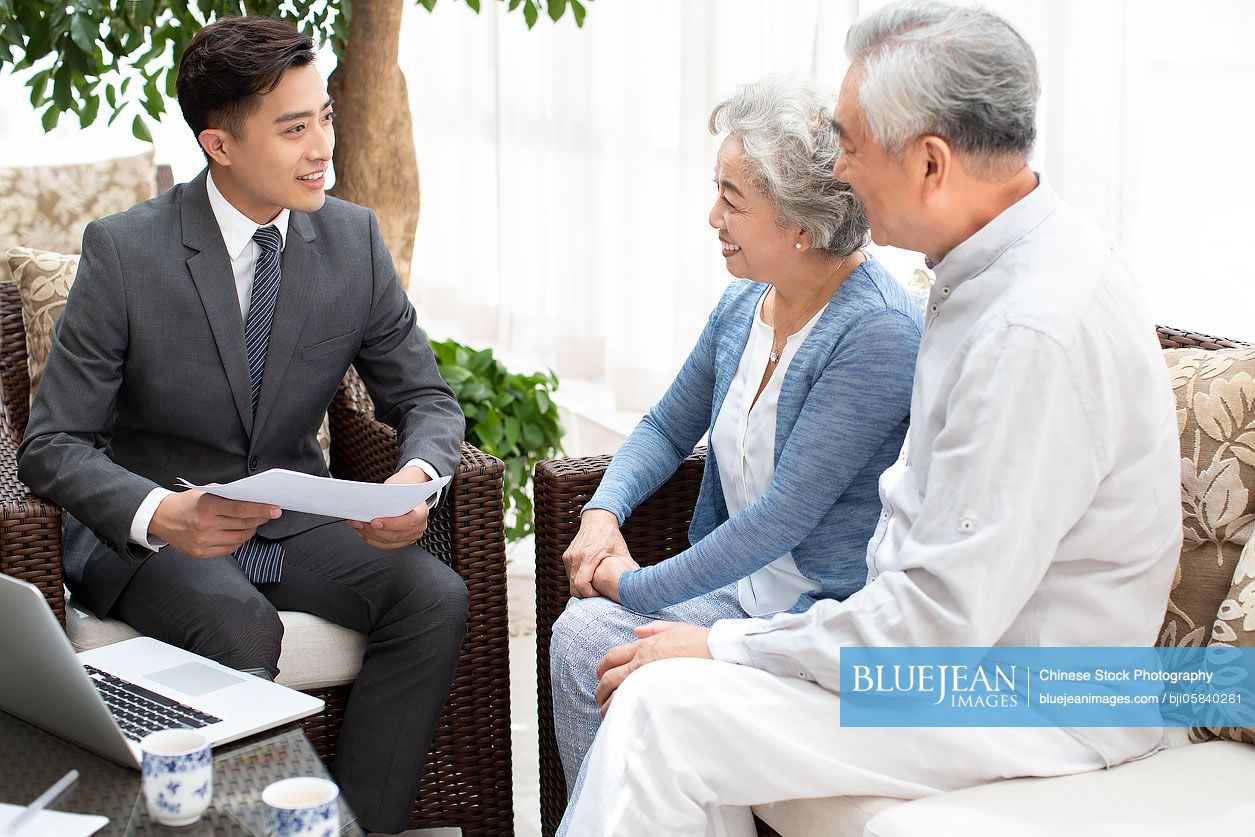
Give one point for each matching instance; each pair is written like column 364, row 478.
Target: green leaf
column 473, row 5
column 39, row 87
column 84, row 31
column 530, row 14
column 514, row 4
column 429, row 5
column 88, row 114
column 141, row 11
column 61, row 87
column 577, row 9
column 556, row 8
column 154, row 103
column 111, row 97
column 140, row 130
column 456, row 374
column 50, row 117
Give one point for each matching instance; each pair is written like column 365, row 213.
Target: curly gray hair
column 785, row 128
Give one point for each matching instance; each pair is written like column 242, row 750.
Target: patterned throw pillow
column 1215, row 392
column 1235, row 627
column 47, row 207
column 44, row 281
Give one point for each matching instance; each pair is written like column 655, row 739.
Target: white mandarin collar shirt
column 1037, row 498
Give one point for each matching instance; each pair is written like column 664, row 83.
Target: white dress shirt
column 237, row 234
column 744, row 442
column 1037, row 502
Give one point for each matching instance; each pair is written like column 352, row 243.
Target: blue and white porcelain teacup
column 178, row 772
column 302, row 807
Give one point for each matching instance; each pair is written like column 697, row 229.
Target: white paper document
column 52, row 822
column 295, row 491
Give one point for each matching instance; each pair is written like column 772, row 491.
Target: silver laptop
column 108, row 698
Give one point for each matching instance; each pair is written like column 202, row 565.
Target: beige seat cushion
column 836, row 815
column 48, row 206
column 1215, row 393
column 316, row 654
column 1196, row 789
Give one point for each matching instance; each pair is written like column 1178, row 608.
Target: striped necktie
column 261, row 559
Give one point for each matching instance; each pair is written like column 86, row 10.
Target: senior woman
column 802, row 378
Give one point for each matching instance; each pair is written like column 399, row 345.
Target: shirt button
column 253, row 463
column 966, row 526
column 933, row 308
column 945, row 291
column 803, row 675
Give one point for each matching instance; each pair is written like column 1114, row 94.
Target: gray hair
column 785, row 128
column 963, row 74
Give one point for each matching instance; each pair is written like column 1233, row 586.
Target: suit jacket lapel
column 301, row 271
column 211, row 273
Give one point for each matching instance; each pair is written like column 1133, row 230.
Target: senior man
column 1035, row 503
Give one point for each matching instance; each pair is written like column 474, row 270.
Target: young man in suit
column 205, row 336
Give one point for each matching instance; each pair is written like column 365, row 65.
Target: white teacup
column 302, row 807
column 178, row 775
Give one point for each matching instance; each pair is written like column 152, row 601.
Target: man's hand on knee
column 205, row 526
column 396, row 532
column 658, row 641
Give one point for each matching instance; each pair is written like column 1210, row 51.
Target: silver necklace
column 774, row 355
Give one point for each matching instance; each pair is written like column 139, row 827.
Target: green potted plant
column 509, row 415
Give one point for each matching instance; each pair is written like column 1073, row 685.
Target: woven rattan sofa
column 1184, row 781
column 467, row 782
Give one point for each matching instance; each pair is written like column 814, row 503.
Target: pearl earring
column 797, row 246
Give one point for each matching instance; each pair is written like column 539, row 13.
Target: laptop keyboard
column 139, row 711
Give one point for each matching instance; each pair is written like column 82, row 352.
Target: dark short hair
column 230, row 64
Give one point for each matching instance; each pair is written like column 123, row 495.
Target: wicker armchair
column 467, row 782
column 657, row 530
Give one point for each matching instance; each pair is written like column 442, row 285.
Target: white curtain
column 566, row 172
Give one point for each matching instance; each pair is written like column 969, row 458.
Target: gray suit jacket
column 147, row 380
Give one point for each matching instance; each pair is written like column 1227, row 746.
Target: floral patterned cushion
column 1235, row 627
column 43, row 279
column 1215, row 393
column 47, row 207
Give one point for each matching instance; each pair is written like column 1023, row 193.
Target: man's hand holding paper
column 402, row 530
column 386, row 515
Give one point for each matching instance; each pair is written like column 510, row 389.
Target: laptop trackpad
column 194, row 679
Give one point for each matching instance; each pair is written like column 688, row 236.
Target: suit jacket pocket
column 326, row 347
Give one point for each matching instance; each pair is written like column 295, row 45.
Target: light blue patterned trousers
column 582, row 635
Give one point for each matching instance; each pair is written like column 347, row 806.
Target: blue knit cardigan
column 841, row 417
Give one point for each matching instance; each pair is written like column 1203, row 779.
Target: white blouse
column 744, row 443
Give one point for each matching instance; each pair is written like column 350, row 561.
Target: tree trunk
column 374, row 157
